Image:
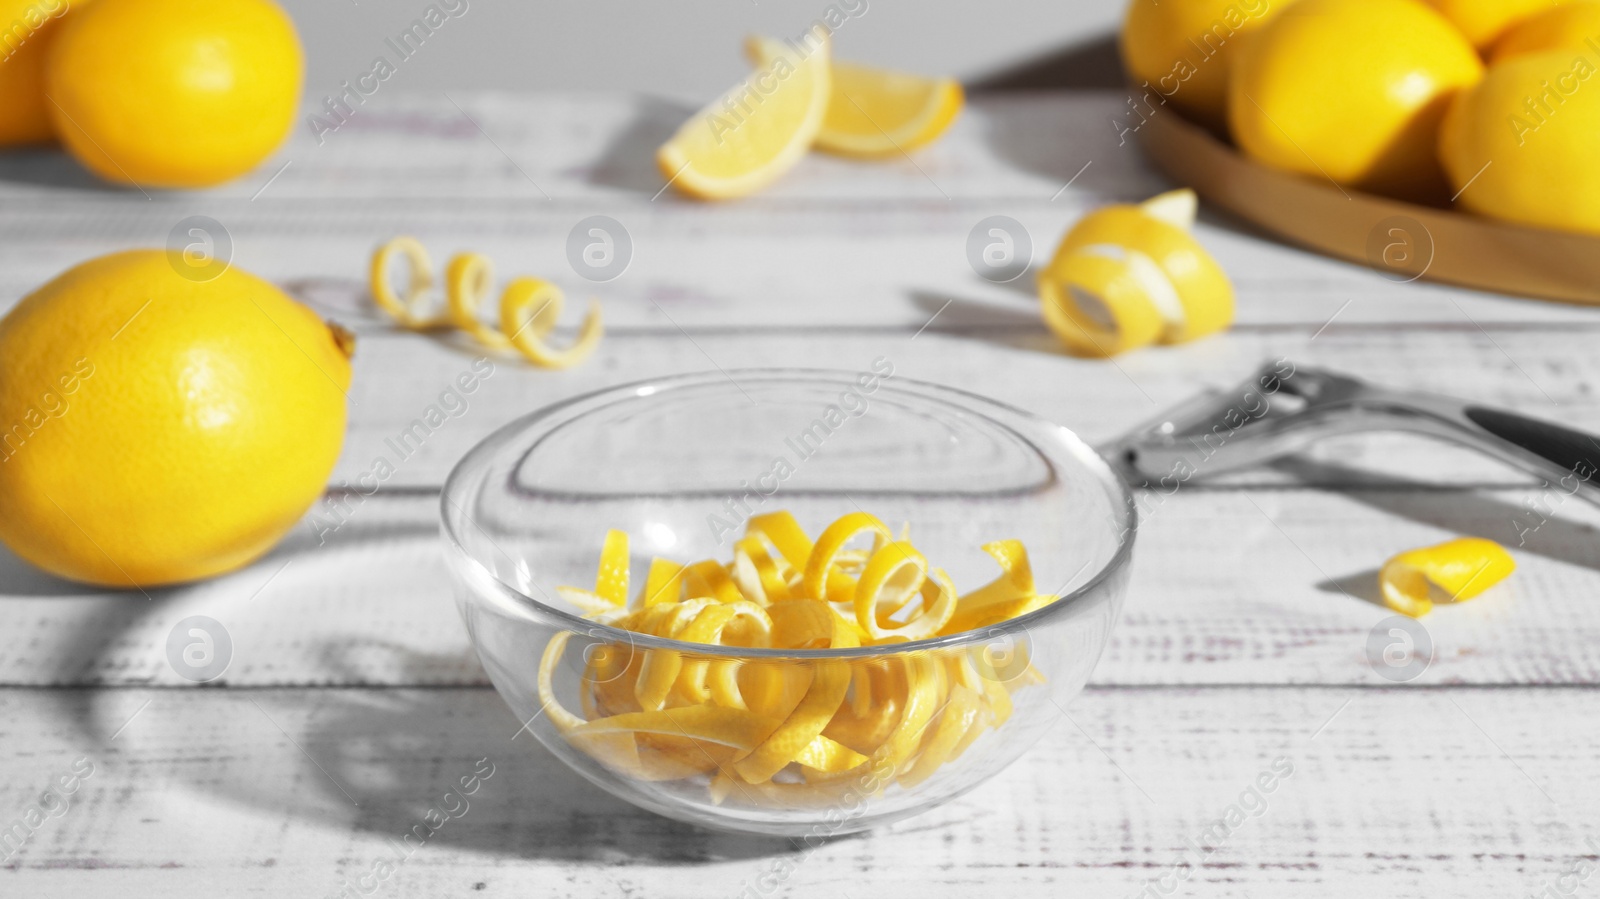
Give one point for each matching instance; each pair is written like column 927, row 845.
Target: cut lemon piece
column 874, row 112
column 755, row 131
column 878, row 112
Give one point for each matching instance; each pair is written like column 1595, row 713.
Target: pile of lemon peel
column 1453, row 571
column 529, row 307
column 1127, row 276
column 788, row 732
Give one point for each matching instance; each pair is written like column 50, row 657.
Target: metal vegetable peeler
column 1283, row 408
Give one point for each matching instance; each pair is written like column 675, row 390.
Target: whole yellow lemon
column 26, row 29
column 1182, row 49
column 1351, row 90
column 1575, row 27
column 1484, row 21
column 1521, row 146
column 174, row 93
column 160, row 428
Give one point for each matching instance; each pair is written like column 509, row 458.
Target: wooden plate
column 1404, row 240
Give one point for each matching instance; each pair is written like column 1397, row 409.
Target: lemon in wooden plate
column 31, row 26
column 1184, row 49
column 1521, row 145
column 160, row 428
column 1574, row 27
column 174, row 93
column 1352, row 91
column 758, row 129
column 1484, row 21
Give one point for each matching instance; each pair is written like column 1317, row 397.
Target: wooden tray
column 1404, row 240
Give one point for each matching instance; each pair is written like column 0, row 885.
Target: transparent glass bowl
column 680, row 462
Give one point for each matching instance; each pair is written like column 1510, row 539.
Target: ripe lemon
column 174, row 93
column 876, row 112
column 1521, row 145
column 1183, row 49
column 758, row 129
column 1351, row 90
column 1574, row 27
column 1484, row 21
column 26, row 29
column 159, row 429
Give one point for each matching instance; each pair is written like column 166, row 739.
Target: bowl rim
column 1021, row 420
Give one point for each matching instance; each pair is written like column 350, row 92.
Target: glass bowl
column 680, row 463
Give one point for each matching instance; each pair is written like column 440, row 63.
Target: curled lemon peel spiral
column 784, row 732
column 1127, row 276
column 1453, row 571
column 410, row 311
column 529, row 307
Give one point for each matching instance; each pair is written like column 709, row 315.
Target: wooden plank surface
column 836, row 243
column 1284, row 593
column 1243, row 638
column 1399, row 792
column 1536, row 370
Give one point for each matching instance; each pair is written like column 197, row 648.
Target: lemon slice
column 757, row 130
column 877, row 112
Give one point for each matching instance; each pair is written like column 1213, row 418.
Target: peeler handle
column 1573, row 452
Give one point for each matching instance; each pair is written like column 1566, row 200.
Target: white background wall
column 684, row 49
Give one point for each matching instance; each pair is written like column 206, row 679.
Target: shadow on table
column 1015, row 325
column 1032, row 142
column 1362, row 585
column 18, row 578
column 51, row 166
column 349, row 301
column 629, row 160
column 1082, row 65
column 374, row 757
column 1559, row 537
column 346, row 300
column 399, row 751
column 112, row 614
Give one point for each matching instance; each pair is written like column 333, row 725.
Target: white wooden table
column 352, row 701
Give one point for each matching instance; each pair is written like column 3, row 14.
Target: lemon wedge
column 755, row 131
column 877, row 112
